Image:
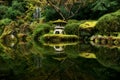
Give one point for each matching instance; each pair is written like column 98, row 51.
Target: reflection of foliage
column 87, row 55
column 72, row 51
column 109, row 57
column 16, row 60
column 70, row 69
column 27, row 61
column 57, row 38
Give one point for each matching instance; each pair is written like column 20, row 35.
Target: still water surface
column 71, row 61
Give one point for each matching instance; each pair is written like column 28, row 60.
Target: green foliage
column 4, row 22
column 86, row 29
column 3, row 10
column 12, row 14
column 73, row 21
column 64, row 12
column 13, row 9
column 101, row 5
column 109, row 23
column 50, row 14
column 72, row 28
column 18, row 6
column 40, row 30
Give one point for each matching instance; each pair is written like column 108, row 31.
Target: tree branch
column 56, row 8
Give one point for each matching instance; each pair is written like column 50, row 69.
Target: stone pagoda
column 59, row 28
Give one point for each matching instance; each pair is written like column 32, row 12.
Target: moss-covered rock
column 86, row 29
column 72, row 28
column 88, row 24
column 109, row 23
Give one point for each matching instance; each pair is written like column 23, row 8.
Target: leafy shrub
column 84, row 29
column 13, row 9
column 50, row 14
column 18, row 6
column 3, row 10
column 3, row 23
column 109, row 23
column 40, row 30
column 11, row 13
column 72, row 28
column 73, row 21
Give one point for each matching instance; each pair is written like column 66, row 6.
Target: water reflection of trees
column 109, row 57
column 38, row 62
column 71, row 69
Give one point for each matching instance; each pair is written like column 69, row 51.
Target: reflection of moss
column 72, row 51
column 87, row 55
column 57, row 38
column 36, row 67
column 60, row 44
column 109, row 57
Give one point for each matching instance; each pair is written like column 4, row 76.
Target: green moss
column 86, row 29
column 109, row 23
column 72, row 21
column 88, row 24
column 57, row 38
column 72, row 28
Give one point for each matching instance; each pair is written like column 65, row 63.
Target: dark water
column 73, row 61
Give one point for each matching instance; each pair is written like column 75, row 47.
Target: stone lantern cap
column 59, row 21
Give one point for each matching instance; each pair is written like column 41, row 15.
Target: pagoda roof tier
column 59, row 21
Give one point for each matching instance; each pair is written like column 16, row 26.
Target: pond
column 64, row 61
